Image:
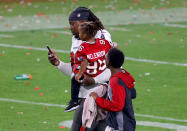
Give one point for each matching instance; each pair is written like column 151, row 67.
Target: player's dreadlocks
column 83, row 13
column 95, row 19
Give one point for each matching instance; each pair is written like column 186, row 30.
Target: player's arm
column 65, row 68
column 118, row 97
column 83, row 66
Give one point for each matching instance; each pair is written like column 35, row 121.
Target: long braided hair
column 92, row 17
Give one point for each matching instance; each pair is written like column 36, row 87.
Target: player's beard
column 76, row 35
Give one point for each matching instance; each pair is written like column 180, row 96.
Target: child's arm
column 84, row 64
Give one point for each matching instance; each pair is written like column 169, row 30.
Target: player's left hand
column 94, row 95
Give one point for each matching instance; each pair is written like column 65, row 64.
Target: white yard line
column 159, row 117
column 62, row 32
column 63, row 106
column 176, row 127
column 162, row 125
column 127, row 58
column 31, row 48
column 31, row 103
column 175, row 25
column 156, row 62
column 6, row 36
column 118, row 29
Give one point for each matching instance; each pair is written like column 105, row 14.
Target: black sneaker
column 73, row 105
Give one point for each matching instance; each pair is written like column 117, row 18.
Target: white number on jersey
column 98, row 65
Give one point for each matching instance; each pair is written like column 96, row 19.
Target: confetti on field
column 44, row 122
column 27, row 83
column 181, row 40
column 12, row 107
column 147, row 74
column 135, row 2
column 40, row 14
column 47, row 17
column 38, row 59
column 54, row 34
column 27, row 53
column 65, row 91
column 62, row 127
column 46, row 108
column 36, row 88
column 150, row 32
column 169, row 34
column 7, row 25
column 30, row 48
column 41, row 94
column 20, row 113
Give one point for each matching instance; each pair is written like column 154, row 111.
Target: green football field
column 151, row 33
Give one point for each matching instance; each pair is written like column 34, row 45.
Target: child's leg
column 75, row 86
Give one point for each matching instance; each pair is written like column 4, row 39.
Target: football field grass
column 155, row 55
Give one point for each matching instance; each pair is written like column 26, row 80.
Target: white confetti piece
column 38, row 59
column 147, row 74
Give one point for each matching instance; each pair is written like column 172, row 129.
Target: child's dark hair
column 115, row 57
column 89, row 28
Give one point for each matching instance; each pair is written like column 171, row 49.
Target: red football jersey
column 95, row 53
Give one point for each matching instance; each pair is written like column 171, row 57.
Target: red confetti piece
column 169, row 34
column 135, row 2
column 54, row 34
column 2, row 54
column 40, row 14
column 46, row 108
column 150, row 32
column 47, row 17
column 62, row 127
column 36, row 88
column 41, row 94
column 30, row 48
column 27, row 83
column 7, row 25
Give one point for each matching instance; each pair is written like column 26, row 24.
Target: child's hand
column 78, row 76
column 94, row 95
